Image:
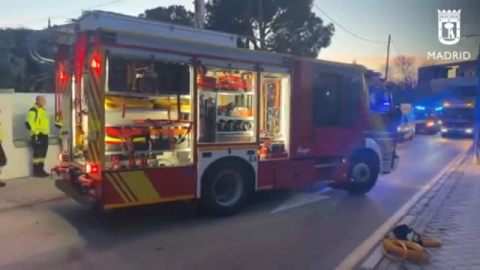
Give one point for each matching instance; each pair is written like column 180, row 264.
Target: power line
column 63, row 15
column 345, row 29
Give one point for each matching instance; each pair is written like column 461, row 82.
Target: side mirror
column 380, row 101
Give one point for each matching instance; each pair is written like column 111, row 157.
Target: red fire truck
column 154, row 112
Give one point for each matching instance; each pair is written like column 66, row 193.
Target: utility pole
column 260, row 24
column 199, row 14
column 388, row 57
column 477, row 113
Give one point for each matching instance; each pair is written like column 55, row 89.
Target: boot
column 41, row 171
column 38, row 171
column 2, row 184
column 35, row 170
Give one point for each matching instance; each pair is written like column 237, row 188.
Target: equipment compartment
column 227, row 102
column 148, row 113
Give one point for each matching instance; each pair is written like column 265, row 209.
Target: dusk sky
column 412, row 23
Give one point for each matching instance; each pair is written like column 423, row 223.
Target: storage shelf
column 226, row 92
column 145, row 110
column 142, row 95
column 234, row 132
column 112, row 153
column 148, row 125
column 244, row 118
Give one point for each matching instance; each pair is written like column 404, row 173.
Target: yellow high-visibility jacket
column 38, row 121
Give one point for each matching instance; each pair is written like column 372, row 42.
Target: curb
column 376, row 255
column 33, row 203
column 360, row 253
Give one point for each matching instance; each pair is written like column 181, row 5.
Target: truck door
column 337, row 113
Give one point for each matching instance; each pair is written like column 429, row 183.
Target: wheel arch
column 369, row 152
column 237, row 162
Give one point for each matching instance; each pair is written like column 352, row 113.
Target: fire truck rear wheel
column 225, row 188
column 363, row 173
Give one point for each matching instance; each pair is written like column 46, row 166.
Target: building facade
column 438, row 78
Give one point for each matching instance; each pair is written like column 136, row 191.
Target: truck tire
column 363, row 173
column 225, row 188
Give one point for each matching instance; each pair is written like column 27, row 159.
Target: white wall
column 14, row 107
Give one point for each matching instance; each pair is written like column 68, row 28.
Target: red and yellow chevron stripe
column 135, row 188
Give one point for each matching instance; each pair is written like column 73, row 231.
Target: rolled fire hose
column 401, row 250
column 428, row 241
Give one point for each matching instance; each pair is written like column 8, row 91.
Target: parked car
column 426, row 120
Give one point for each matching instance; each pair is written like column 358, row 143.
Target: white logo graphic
column 449, row 26
column 303, row 150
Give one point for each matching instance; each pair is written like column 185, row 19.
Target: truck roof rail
column 109, row 21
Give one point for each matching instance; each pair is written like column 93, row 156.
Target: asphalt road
column 319, row 235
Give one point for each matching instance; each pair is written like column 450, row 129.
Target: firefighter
column 38, row 123
column 3, row 157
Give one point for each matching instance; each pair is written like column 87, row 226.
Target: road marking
column 362, row 250
column 301, row 200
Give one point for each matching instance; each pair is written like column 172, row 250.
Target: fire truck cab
column 154, row 112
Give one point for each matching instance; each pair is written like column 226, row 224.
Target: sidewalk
column 450, row 212
column 28, row 191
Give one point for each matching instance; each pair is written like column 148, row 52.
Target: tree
column 300, row 37
column 22, row 69
column 236, row 17
column 276, row 25
column 404, row 71
column 175, row 14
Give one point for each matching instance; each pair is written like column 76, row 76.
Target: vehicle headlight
column 444, row 130
column 440, row 122
column 469, row 130
column 399, row 129
column 430, row 123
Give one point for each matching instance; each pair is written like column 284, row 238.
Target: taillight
column 63, row 77
column 63, row 157
column 91, row 168
column 96, row 63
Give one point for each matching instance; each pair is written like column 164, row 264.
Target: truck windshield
column 458, row 113
column 464, row 92
column 422, row 116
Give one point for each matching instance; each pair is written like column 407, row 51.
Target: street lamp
column 477, row 109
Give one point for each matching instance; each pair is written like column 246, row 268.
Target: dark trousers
column 3, row 157
column 3, row 162
column 40, row 148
